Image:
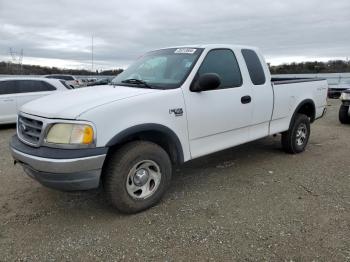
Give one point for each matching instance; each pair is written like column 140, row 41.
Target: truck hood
column 72, row 103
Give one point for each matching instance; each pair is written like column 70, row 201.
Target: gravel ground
column 249, row 203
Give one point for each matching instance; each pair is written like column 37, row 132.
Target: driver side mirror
column 206, row 82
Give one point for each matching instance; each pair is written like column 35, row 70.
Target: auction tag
column 185, row 51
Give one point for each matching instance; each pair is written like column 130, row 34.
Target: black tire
column 291, row 143
column 334, row 96
column 118, row 167
column 344, row 117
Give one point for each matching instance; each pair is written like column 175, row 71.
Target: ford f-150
column 171, row 106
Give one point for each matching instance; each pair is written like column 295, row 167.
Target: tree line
column 334, row 66
column 17, row 69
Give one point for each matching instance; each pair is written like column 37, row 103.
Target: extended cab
column 172, row 105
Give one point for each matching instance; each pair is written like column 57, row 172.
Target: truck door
column 8, row 108
column 220, row 118
column 262, row 94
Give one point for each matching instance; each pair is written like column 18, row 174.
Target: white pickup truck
column 171, row 106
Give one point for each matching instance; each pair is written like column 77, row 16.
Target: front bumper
column 62, row 169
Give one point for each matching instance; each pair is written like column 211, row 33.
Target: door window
column 224, row 63
column 29, row 86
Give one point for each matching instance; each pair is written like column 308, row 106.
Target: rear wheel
column 344, row 117
column 137, row 176
column 295, row 140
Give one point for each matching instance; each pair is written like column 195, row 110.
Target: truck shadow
column 186, row 178
column 7, row 126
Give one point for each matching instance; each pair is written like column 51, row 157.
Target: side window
column 8, row 87
column 67, row 78
column 65, row 84
column 29, row 86
column 47, row 87
column 254, row 66
column 224, row 63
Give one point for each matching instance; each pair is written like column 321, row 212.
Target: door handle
column 246, row 99
column 8, row 100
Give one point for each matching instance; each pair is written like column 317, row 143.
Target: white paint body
column 11, row 103
column 211, row 121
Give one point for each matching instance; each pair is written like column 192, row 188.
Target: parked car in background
column 83, row 82
column 15, row 92
column 337, row 86
column 70, row 80
column 171, row 106
column 344, row 112
column 103, row 81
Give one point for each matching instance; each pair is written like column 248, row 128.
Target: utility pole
column 17, row 59
column 92, row 53
column 21, row 61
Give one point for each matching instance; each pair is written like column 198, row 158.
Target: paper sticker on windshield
column 185, row 51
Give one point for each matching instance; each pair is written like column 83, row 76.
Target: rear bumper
column 335, row 91
column 67, row 174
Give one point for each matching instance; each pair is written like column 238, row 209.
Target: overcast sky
column 58, row 33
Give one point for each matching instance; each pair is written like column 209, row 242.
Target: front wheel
column 344, row 117
column 137, row 176
column 295, row 140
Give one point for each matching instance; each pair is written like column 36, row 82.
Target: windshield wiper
column 137, row 82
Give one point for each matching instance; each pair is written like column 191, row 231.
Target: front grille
column 29, row 130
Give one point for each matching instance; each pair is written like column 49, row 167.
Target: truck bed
column 291, row 80
column 289, row 93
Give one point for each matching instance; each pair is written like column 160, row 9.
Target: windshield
column 162, row 69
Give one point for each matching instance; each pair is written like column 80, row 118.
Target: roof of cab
column 214, row 46
column 29, row 78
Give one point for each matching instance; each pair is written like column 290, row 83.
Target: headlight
column 70, row 134
column 345, row 96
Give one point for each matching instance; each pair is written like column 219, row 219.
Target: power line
column 16, row 60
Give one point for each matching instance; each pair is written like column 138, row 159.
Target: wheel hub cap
column 141, row 177
column 301, row 135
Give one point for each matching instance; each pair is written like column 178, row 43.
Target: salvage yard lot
column 253, row 202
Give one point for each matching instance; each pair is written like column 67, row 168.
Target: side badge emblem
column 176, row 111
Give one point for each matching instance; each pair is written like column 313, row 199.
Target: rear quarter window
column 47, row 86
column 255, row 69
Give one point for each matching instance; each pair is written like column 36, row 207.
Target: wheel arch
column 156, row 133
column 306, row 107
